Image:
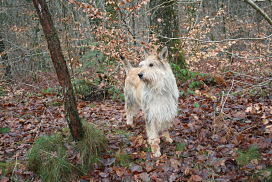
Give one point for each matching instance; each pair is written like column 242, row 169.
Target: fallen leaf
column 195, row 178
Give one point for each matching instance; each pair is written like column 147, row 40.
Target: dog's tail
column 126, row 63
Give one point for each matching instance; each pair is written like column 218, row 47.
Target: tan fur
column 152, row 88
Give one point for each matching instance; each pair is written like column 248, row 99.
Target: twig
column 254, row 86
column 222, row 107
column 247, row 129
column 25, row 84
column 16, row 163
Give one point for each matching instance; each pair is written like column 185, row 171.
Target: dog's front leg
column 167, row 137
column 130, row 118
column 153, row 139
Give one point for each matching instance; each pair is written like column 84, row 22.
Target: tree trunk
column 60, row 66
column 164, row 22
column 5, row 60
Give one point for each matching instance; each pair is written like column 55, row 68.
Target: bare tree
column 60, row 66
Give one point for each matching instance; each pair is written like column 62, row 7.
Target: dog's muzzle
column 140, row 75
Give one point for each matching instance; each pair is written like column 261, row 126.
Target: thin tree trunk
column 5, row 60
column 57, row 57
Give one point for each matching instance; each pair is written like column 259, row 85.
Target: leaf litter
column 208, row 139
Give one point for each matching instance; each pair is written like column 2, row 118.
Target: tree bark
column 60, row 66
column 258, row 9
column 5, row 60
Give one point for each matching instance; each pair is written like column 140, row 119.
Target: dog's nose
column 140, row 75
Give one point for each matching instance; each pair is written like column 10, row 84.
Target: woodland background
column 220, row 52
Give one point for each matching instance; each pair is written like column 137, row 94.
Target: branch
column 258, row 9
column 214, row 41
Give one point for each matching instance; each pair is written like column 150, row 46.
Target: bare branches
column 258, row 9
column 216, row 41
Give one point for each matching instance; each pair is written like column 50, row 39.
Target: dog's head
column 154, row 67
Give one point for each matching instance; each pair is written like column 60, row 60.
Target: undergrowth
column 49, row 155
column 245, row 157
column 91, row 146
column 48, row 158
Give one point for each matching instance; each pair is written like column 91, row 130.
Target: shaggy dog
column 152, row 88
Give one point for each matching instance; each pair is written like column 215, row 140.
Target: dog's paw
column 130, row 123
column 157, row 154
column 155, row 148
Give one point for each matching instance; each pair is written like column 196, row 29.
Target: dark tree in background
column 60, row 66
column 164, row 22
column 4, row 56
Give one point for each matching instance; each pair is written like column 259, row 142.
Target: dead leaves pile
column 205, row 147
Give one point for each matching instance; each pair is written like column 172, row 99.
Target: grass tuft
column 49, row 155
column 90, row 147
column 48, row 158
column 245, row 157
column 122, row 158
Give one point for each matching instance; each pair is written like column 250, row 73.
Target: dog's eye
column 151, row 64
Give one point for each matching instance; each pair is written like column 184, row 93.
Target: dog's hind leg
column 131, row 111
column 167, row 137
column 153, row 139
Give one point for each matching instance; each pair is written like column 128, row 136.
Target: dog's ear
column 126, row 63
column 164, row 53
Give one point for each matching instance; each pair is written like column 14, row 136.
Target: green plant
column 148, row 149
column 48, row 90
column 4, row 130
column 116, row 93
column 83, row 87
column 185, row 74
column 2, row 91
column 90, row 147
column 180, row 146
column 264, row 175
column 7, row 167
column 196, row 105
column 122, row 132
column 48, row 158
column 54, row 103
column 122, row 158
column 245, row 157
column 195, row 84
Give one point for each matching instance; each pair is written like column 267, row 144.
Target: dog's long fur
column 152, row 87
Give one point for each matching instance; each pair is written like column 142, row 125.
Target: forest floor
column 216, row 137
